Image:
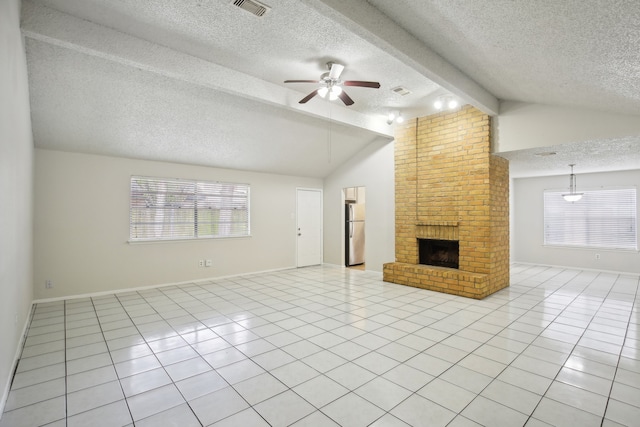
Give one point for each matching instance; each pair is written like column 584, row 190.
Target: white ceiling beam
column 369, row 23
column 57, row 28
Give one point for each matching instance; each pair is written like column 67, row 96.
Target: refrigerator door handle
column 350, row 221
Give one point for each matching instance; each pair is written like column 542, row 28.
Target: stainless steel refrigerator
column 354, row 234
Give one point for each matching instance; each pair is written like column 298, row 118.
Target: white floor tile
column 259, row 388
column 152, row 402
column 38, row 414
column 294, row 341
column 490, row 413
column 113, row 414
column 29, row 395
column 294, row 373
column 420, row 412
column 352, row 410
column 351, row 375
column 383, row 393
column 93, row 397
column 316, row 419
column 410, row 378
column 247, row 418
column 376, row 363
column 559, row 414
column 284, row 409
column 517, row 398
column 622, row 413
column 200, row 385
column 320, row 391
column 448, row 395
column 91, row 378
column 145, row 381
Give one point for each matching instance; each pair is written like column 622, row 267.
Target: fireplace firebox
column 442, row 253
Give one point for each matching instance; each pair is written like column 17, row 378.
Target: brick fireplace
column 452, row 194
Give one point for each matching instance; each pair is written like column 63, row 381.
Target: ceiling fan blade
column 374, row 85
column 345, row 98
column 301, row 81
column 335, row 71
column 308, row 97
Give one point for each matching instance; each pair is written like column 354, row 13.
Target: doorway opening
column 354, row 227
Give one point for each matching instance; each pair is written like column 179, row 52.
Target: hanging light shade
column 334, row 92
column 572, row 195
column 323, row 91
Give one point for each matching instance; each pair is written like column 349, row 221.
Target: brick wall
column 449, row 184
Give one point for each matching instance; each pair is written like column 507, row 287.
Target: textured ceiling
column 589, row 156
column 582, row 53
column 201, row 81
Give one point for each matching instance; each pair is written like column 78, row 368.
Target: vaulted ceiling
column 202, row 81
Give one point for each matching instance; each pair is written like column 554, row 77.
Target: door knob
column 299, row 234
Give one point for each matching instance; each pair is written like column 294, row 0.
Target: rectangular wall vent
column 401, row 90
column 252, row 6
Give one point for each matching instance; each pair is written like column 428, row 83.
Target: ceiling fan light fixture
column 331, row 84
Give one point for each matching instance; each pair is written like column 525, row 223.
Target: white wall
column 373, row 169
column 82, row 226
column 527, row 226
column 16, row 169
column 521, row 126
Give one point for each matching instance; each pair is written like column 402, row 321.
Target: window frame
column 593, row 217
column 193, row 195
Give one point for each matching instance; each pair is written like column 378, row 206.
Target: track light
column 394, row 117
column 446, row 100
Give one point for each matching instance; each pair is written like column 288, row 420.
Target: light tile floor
column 327, row 346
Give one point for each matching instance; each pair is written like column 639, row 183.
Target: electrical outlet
column 48, row 284
column 208, row 263
column 201, row 263
column 597, row 256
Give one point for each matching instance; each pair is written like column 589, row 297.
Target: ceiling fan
column 330, row 84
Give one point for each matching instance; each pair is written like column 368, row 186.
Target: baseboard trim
column 566, row 267
column 160, row 285
column 16, row 358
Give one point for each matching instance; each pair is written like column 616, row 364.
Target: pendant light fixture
column 572, row 196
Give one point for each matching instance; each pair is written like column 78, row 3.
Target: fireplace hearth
column 441, row 253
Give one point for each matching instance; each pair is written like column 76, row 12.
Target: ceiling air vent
column 401, row 90
column 252, row 6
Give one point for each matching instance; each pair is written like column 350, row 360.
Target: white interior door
column 309, row 227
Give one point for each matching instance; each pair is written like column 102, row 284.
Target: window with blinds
column 172, row 209
column 603, row 218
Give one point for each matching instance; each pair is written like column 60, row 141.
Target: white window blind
column 603, row 218
column 166, row 209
